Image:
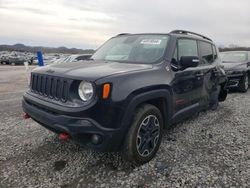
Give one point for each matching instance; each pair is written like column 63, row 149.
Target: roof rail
column 122, row 34
column 189, row 32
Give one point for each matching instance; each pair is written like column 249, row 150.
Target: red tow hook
column 64, row 136
column 26, row 116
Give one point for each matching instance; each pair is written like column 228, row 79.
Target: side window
column 187, row 47
column 215, row 53
column 206, row 53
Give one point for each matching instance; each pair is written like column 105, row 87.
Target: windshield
column 133, row 49
column 234, row 57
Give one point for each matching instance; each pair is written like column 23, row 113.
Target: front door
column 187, row 84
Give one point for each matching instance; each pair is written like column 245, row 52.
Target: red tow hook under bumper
column 64, row 136
column 26, row 116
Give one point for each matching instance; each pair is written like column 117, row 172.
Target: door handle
column 199, row 74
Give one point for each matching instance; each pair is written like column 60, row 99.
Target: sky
column 89, row 23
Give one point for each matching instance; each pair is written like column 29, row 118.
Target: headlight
column 85, row 91
column 238, row 72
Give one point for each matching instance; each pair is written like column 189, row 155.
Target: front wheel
column 244, row 83
column 144, row 136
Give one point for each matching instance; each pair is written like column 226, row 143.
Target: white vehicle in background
column 73, row 58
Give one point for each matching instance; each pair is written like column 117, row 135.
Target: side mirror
column 189, row 61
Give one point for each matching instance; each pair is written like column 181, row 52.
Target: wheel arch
column 161, row 98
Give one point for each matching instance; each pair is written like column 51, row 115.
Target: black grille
column 50, row 86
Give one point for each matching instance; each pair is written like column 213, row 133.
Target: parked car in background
column 4, row 60
column 16, row 59
column 79, row 57
column 134, row 86
column 237, row 67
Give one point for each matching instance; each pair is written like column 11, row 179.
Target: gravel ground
column 209, row 150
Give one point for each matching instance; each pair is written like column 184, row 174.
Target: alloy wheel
column 148, row 135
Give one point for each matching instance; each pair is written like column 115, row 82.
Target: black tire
column 243, row 87
column 132, row 150
column 214, row 98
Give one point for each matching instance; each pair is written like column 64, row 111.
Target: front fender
column 141, row 98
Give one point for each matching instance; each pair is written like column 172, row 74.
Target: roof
column 174, row 32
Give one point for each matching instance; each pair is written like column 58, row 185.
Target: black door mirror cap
column 189, row 61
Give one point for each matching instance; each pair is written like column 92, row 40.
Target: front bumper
column 234, row 80
column 80, row 129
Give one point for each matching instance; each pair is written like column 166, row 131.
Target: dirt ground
column 209, row 150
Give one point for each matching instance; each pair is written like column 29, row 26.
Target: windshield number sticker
column 151, row 41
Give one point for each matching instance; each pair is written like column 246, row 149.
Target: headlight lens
column 85, row 91
column 237, row 72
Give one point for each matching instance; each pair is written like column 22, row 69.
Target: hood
column 234, row 66
column 90, row 70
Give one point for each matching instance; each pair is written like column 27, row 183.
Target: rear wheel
column 214, row 98
column 144, row 136
column 244, row 83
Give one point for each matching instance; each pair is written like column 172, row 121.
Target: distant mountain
column 23, row 48
column 233, row 48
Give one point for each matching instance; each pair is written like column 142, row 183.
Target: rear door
column 187, row 84
column 208, row 63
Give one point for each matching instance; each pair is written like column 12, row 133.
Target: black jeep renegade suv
column 134, row 86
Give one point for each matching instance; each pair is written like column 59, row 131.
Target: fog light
column 96, row 139
column 64, row 136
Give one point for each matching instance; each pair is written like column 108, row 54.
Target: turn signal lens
column 106, row 91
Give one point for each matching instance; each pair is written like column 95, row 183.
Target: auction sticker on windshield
column 151, row 41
